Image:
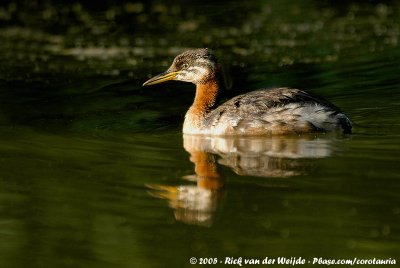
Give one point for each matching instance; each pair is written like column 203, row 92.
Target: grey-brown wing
column 253, row 106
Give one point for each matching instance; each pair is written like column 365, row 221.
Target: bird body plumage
column 262, row 112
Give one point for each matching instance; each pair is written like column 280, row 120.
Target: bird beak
column 165, row 76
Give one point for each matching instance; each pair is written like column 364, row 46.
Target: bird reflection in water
column 269, row 157
column 195, row 204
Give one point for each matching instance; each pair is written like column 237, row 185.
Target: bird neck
column 206, row 98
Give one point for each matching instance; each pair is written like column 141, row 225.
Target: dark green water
column 95, row 171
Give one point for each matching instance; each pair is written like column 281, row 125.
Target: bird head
column 196, row 66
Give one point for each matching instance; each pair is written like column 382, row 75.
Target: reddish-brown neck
column 206, row 96
column 205, row 101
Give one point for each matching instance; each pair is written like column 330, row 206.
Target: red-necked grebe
column 260, row 112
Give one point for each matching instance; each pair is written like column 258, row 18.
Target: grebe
column 261, row 112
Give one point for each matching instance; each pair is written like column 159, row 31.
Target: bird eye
column 184, row 66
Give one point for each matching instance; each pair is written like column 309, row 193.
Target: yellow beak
column 166, row 76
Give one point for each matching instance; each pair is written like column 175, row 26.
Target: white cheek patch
column 182, row 76
column 198, row 71
column 192, row 74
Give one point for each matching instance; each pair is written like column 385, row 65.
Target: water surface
column 95, row 171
